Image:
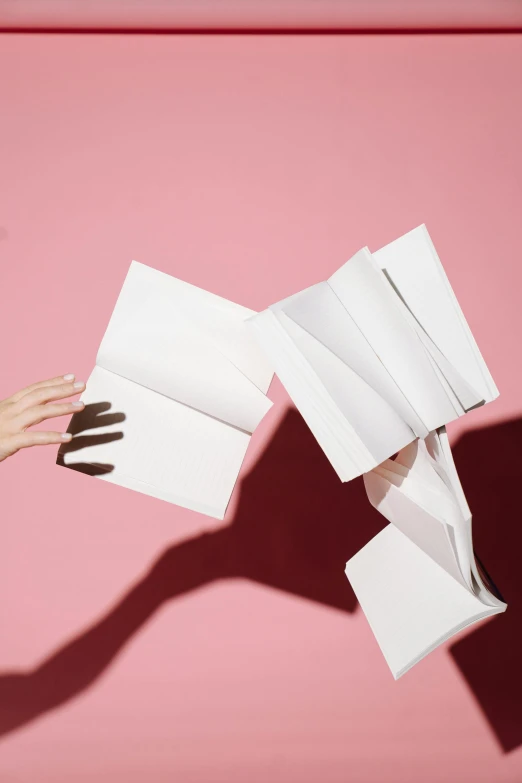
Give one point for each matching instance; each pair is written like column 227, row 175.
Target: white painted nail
column 69, row 376
column 78, row 385
column 77, row 404
column 66, row 436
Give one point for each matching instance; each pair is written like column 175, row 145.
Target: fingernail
column 77, row 404
column 69, row 376
column 78, row 385
column 66, row 436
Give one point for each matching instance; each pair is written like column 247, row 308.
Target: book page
column 463, row 397
column 438, row 448
column 433, row 517
column 375, row 422
column 333, row 432
column 320, row 312
column 187, row 344
column 372, row 303
column 410, row 602
column 161, row 447
column 420, row 493
column 214, row 313
column 412, row 264
column 420, row 517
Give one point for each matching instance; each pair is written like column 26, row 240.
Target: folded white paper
column 183, row 367
column 378, row 359
column 378, row 355
column 417, row 581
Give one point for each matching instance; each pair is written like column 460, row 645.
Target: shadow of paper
column 82, row 426
column 295, row 527
column 489, row 462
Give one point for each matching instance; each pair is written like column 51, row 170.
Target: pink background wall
column 248, row 14
column 251, row 166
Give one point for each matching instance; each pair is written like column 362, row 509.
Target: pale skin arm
column 32, row 405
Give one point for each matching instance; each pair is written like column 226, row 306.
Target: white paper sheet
column 434, row 587
column 334, row 434
column 167, row 450
column 377, row 426
column 370, row 300
column 185, row 371
column 320, row 312
column 410, row 602
column 188, row 345
column 366, row 358
column 414, row 267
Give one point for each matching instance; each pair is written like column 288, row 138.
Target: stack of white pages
column 378, row 355
column 378, row 359
column 417, row 581
column 182, row 366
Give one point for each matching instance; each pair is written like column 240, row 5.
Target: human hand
column 32, row 405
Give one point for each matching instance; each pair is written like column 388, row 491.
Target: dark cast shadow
column 295, row 527
column 82, row 426
column 489, row 462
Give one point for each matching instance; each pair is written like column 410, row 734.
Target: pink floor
column 252, row 166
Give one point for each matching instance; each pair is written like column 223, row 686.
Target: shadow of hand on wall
column 82, row 425
column 489, row 462
column 295, row 527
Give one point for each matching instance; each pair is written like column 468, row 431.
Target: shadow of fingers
column 82, row 427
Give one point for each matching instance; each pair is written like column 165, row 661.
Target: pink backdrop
column 254, row 14
column 251, row 166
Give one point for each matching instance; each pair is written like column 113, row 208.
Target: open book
column 417, row 581
column 378, row 355
column 186, row 386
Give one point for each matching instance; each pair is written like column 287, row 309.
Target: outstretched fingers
column 23, row 440
column 56, row 381
column 44, row 394
column 39, row 413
